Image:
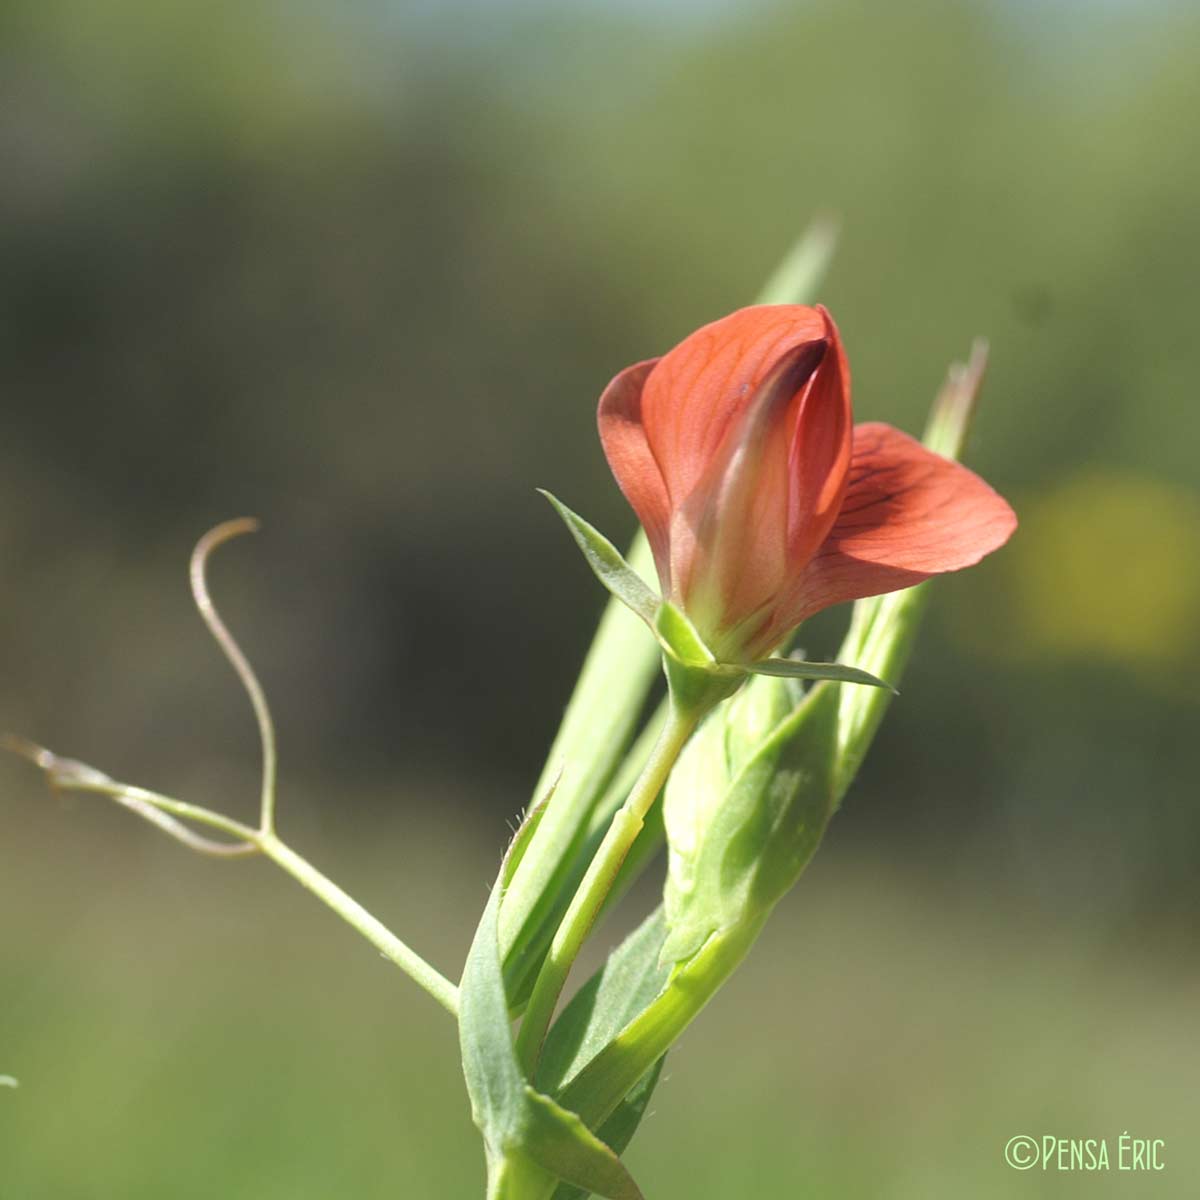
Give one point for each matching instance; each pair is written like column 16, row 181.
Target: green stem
column 126, row 793
column 597, row 881
column 515, row 1177
column 357, row 917
column 596, row 729
column 601, row 1086
column 81, row 778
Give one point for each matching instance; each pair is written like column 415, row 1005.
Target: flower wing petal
column 907, row 514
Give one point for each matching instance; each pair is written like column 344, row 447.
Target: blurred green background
column 362, row 270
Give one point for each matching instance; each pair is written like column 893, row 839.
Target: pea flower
column 763, row 503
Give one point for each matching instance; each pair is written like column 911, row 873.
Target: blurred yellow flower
column 1108, row 566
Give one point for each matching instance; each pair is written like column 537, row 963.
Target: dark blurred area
column 362, row 270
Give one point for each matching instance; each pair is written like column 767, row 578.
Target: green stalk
column 599, row 1088
column 517, row 1178
column 597, row 882
column 169, row 815
column 595, row 734
column 357, row 917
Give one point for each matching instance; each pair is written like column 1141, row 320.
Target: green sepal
column 676, row 634
column 608, row 564
column 697, row 681
column 520, row 1126
column 679, row 638
column 798, row 668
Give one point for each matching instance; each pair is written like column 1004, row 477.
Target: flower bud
column 745, row 808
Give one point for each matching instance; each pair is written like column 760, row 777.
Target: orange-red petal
column 623, row 436
column 729, row 541
column 819, row 453
column 907, row 514
column 703, row 384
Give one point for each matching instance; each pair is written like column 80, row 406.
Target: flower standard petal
column 700, row 387
column 623, row 437
column 733, row 449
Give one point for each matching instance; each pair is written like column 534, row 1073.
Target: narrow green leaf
column 560, row 1142
column 797, row 277
column 594, row 736
column 954, row 407
column 618, row 1130
column 608, row 565
column 494, row 1080
column 798, row 668
column 518, row 1123
column 596, row 1092
column 629, row 979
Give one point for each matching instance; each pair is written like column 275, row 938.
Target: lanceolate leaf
column 796, row 278
column 619, row 1129
column 494, row 1080
column 520, row 1125
column 797, row 668
column 608, row 565
column 560, row 1142
column 629, row 980
column 595, row 734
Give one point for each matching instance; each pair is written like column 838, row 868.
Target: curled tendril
column 175, row 818
column 215, row 537
column 167, row 814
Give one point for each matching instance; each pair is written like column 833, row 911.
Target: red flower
column 763, row 502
